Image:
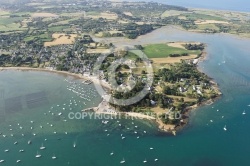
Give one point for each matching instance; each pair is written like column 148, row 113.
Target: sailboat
column 42, row 147
column 244, row 112
column 38, row 155
column 123, row 161
column 53, row 157
column 225, row 128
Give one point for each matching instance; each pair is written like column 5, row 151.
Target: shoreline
column 79, row 76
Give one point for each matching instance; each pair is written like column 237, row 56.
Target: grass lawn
column 163, row 50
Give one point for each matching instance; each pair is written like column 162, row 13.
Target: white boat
column 151, row 148
column 156, row 159
column 74, row 145
column 18, row 161
column 42, row 147
column 53, row 157
column 225, row 128
column 112, row 153
column 123, row 161
column 38, row 155
column 15, row 143
column 123, row 137
column 1, row 161
column 145, row 161
column 6, row 150
column 244, row 112
column 21, row 150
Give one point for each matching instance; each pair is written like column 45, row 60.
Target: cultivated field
column 44, row 15
column 108, row 16
column 60, row 38
column 128, row 13
column 170, row 60
column 210, row 22
column 169, row 13
column 98, row 51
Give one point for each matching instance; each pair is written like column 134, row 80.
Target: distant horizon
column 240, row 5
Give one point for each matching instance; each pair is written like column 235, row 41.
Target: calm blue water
column 239, row 5
column 202, row 143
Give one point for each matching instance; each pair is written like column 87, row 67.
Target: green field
column 163, row 50
column 10, row 20
column 58, row 28
column 42, row 37
column 169, row 13
column 207, row 26
column 198, row 16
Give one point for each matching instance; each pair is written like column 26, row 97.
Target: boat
column 38, row 155
column 6, row 150
column 29, row 142
column 21, row 150
column 145, row 161
column 42, row 147
column 1, row 161
column 53, row 157
column 244, row 112
column 74, row 145
column 156, row 159
column 123, row 161
column 225, row 128
column 151, row 148
column 18, row 161
column 15, row 143
column 112, row 153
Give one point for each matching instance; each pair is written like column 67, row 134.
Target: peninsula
column 60, row 37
